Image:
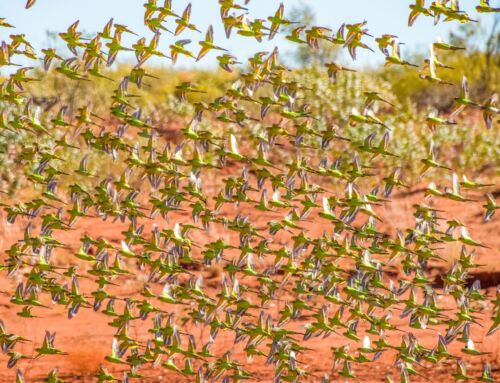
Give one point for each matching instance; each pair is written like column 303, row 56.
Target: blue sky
column 383, row 16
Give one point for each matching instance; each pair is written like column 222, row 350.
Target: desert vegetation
column 280, row 218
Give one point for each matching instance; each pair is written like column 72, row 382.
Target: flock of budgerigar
column 338, row 280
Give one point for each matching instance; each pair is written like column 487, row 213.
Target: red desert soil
column 87, row 337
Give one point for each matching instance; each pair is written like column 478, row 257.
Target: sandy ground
column 87, row 337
